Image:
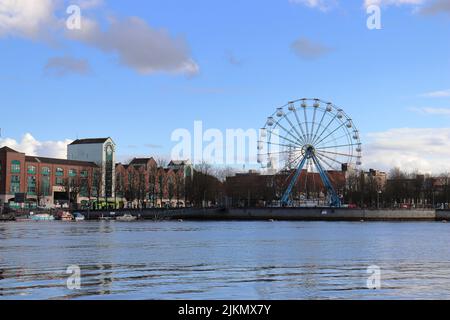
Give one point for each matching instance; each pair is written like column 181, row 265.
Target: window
column 59, row 181
column 15, row 166
column 84, row 173
column 72, row 173
column 45, row 171
column 45, row 185
column 31, row 190
column 109, row 169
column 84, row 192
column 31, row 170
column 15, row 184
column 59, row 172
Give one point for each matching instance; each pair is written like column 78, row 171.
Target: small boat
column 79, row 217
column 126, row 218
column 65, row 216
column 42, row 217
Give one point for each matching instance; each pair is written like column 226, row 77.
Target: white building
column 102, row 151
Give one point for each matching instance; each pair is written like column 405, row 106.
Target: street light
column 378, row 198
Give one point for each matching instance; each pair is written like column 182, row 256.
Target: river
column 224, row 260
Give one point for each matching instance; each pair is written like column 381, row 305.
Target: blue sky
column 394, row 82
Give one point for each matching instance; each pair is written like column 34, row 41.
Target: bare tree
column 152, row 181
column 179, row 186
column 97, row 183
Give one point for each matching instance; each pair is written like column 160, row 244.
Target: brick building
column 143, row 183
column 42, row 181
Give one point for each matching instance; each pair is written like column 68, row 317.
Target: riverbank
column 264, row 214
column 283, row 214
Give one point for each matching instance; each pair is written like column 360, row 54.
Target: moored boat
column 78, row 216
column 126, row 218
column 64, row 216
column 42, row 217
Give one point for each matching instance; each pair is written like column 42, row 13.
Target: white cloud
column 307, row 49
column 63, row 66
column 427, row 150
column 323, row 5
column 436, row 7
column 437, row 94
column 32, row 147
column 432, row 111
column 88, row 4
column 26, row 18
column 368, row 3
column 138, row 46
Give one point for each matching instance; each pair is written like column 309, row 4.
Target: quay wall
column 301, row 214
column 310, row 214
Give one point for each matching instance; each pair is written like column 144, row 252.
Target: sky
column 137, row 70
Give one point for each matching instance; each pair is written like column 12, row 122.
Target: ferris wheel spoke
column 313, row 122
column 320, row 124
column 294, row 161
column 299, row 123
column 343, row 124
column 340, row 146
column 331, row 159
column 284, row 138
column 325, row 129
column 306, row 123
column 336, row 139
column 282, row 145
column 290, row 133
column 320, row 159
column 301, row 137
column 280, row 152
column 335, row 153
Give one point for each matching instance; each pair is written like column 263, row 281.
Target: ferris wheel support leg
column 335, row 200
column 287, row 193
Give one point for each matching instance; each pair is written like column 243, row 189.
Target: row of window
column 45, row 185
column 45, row 171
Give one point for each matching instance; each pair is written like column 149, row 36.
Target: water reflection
column 224, row 260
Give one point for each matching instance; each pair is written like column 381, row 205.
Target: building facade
column 142, row 183
column 42, row 181
column 101, row 151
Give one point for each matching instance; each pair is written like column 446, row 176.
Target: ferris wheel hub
column 308, row 151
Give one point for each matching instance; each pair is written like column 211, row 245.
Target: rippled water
column 224, row 260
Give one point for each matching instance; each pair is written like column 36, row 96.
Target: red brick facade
column 143, row 183
column 26, row 174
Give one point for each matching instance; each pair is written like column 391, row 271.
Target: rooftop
column 60, row 161
column 8, row 149
column 89, row 141
column 140, row 161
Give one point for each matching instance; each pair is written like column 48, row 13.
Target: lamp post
column 378, row 199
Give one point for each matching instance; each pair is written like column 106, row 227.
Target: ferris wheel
column 309, row 134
